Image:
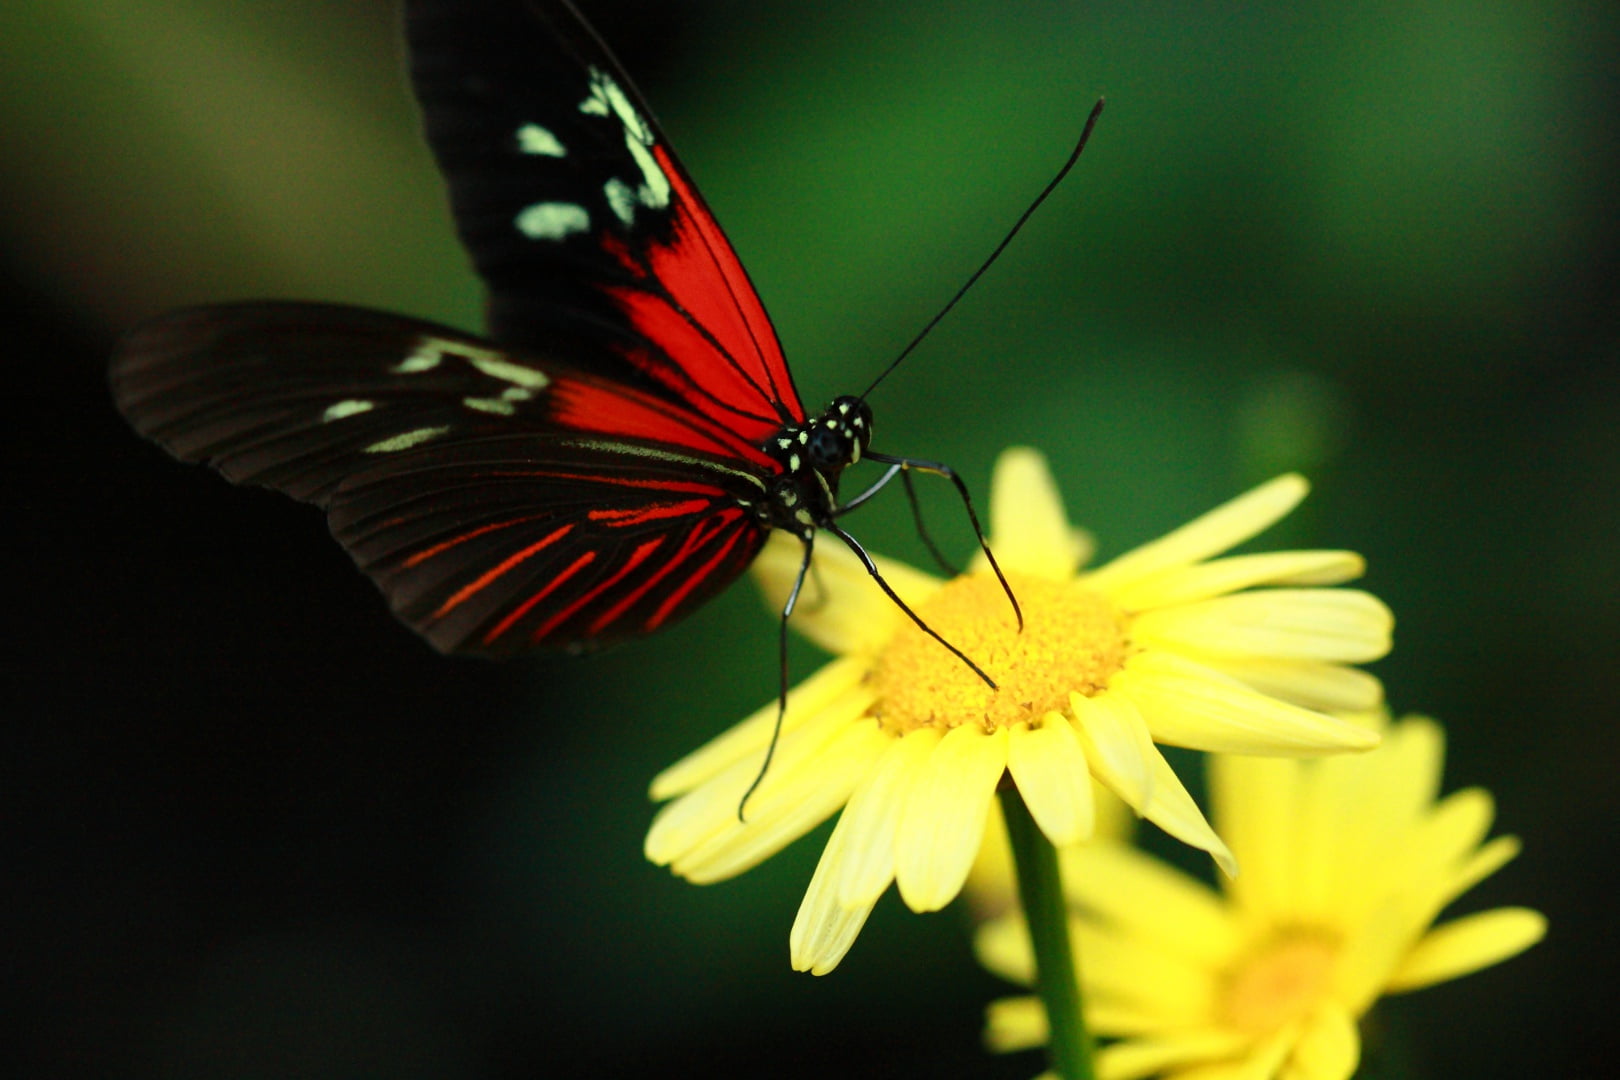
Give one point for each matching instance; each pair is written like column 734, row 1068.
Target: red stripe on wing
column 694, row 541
column 640, row 515
column 494, row 632
column 684, row 487
column 715, row 346
column 483, row 580
column 615, row 410
column 471, row 534
column 727, row 304
column 697, row 350
column 637, row 557
column 698, row 577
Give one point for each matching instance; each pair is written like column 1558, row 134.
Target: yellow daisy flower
column 1346, row 863
column 1163, row 643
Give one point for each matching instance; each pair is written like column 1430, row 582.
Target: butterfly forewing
column 594, row 470
column 496, row 497
column 588, row 231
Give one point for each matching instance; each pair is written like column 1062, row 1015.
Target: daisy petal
column 1002, row 946
column 1029, row 530
column 1468, row 944
column 1221, row 528
column 790, row 804
column 1329, row 1047
column 943, row 821
column 1167, row 803
column 1371, row 953
column 708, row 811
column 836, row 688
column 1150, row 1057
column 1338, row 625
column 1050, row 770
column 1144, row 897
column 1486, row 861
column 1173, row 810
column 1264, row 1062
column 1188, row 704
column 840, row 608
column 1187, row 584
column 825, row 928
column 1137, row 984
column 1017, row 1023
column 1331, row 688
column 1118, row 743
column 873, row 815
column 1256, row 801
column 1407, row 772
column 1449, row 835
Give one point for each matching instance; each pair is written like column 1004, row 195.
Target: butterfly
column 618, row 447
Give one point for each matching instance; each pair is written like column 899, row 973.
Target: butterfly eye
column 828, row 447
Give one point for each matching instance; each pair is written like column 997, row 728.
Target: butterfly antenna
column 1074, row 156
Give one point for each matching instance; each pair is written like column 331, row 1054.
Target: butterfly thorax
column 813, row 456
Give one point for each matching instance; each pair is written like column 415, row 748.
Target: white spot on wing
column 608, row 99
column 622, row 199
column 506, row 371
column 406, row 440
column 431, row 351
column 534, row 139
column 505, row 405
column 490, row 405
column 552, row 220
column 597, row 103
column 654, row 193
column 426, row 357
column 351, row 407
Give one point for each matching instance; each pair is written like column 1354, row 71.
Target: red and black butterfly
column 618, row 448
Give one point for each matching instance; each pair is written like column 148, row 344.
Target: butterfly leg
column 937, row 469
column 877, row 486
column 871, row 568
column 916, row 512
column 916, row 517
column 816, row 600
column 809, row 539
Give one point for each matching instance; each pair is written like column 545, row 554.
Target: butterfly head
column 839, row 436
column 813, row 455
column 825, row 444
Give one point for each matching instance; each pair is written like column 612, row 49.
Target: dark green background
column 254, row 828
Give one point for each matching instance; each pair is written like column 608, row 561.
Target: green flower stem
column 1040, row 889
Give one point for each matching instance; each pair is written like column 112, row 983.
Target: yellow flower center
column 1073, row 641
column 1282, row 981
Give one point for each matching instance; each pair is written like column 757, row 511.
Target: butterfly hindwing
column 589, row 233
column 497, row 545
column 495, row 497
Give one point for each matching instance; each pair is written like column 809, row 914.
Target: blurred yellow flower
column 991, row 889
column 1346, row 864
column 1162, row 643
